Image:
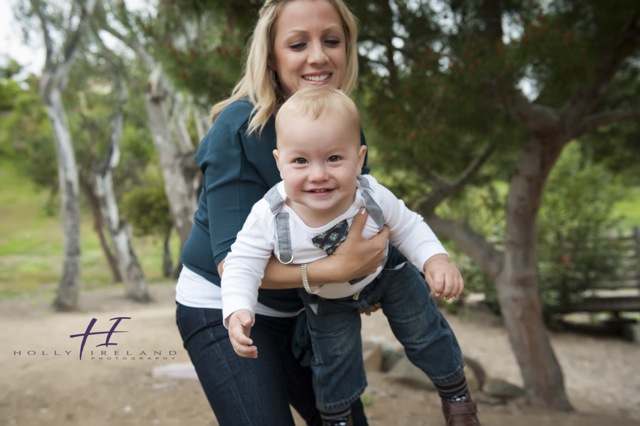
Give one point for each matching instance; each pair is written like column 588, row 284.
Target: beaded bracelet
column 305, row 281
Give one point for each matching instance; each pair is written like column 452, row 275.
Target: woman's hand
column 240, row 323
column 444, row 278
column 357, row 256
column 354, row 258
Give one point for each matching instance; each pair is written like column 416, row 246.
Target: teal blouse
column 237, row 170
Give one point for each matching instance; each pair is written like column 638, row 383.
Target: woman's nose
column 317, row 55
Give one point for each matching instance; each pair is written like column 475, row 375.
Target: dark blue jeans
column 334, row 327
column 251, row 392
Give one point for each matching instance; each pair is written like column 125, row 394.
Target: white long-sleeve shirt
column 244, row 266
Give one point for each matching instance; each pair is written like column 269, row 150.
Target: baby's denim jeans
column 334, row 326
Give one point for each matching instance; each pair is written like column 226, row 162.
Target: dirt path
column 43, row 381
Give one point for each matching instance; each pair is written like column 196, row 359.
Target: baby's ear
column 276, row 155
column 361, row 156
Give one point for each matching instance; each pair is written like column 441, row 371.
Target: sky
column 32, row 57
column 11, row 44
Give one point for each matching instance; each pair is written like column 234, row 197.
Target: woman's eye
column 297, row 46
column 332, row 42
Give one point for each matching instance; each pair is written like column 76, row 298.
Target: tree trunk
column 175, row 154
column 69, row 286
column 98, row 226
column 51, row 85
column 167, row 263
column 134, row 282
column 166, row 113
column 517, row 282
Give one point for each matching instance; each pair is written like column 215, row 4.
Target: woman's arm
column 238, row 170
column 354, row 258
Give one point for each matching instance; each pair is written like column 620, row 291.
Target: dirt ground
column 43, row 381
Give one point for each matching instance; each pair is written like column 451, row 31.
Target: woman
column 296, row 43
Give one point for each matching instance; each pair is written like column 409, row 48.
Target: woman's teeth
column 316, row 77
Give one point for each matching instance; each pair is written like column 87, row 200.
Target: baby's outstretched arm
column 444, row 278
column 240, row 323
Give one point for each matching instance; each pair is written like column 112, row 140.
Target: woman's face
column 309, row 47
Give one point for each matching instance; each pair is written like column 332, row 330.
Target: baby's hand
column 240, row 323
column 444, row 279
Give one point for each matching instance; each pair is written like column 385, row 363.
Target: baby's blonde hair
column 259, row 82
column 317, row 101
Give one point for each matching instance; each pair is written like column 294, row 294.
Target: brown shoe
column 460, row 413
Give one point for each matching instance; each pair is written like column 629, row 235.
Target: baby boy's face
column 319, row 161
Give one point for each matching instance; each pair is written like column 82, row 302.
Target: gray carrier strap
column 283, row 231
column 375, row 212
column 275, row 201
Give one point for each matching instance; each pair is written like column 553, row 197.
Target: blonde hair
column 316, row 101
column 259, row 82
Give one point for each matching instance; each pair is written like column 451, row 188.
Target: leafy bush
column 576, row 217
column 146, row 206
column 575, row 220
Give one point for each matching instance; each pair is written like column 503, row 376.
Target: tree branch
column 46, row 35
column 492, row 17
column 474, row 245
column 130, row 42
column 443, row 189
column 537, row 118
column 595, row 121
column 71, row 43
column 117, row 121
column 540, row 119
column 587, row 98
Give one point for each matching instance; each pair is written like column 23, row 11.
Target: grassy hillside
column 31, row 240
column 31, row 243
